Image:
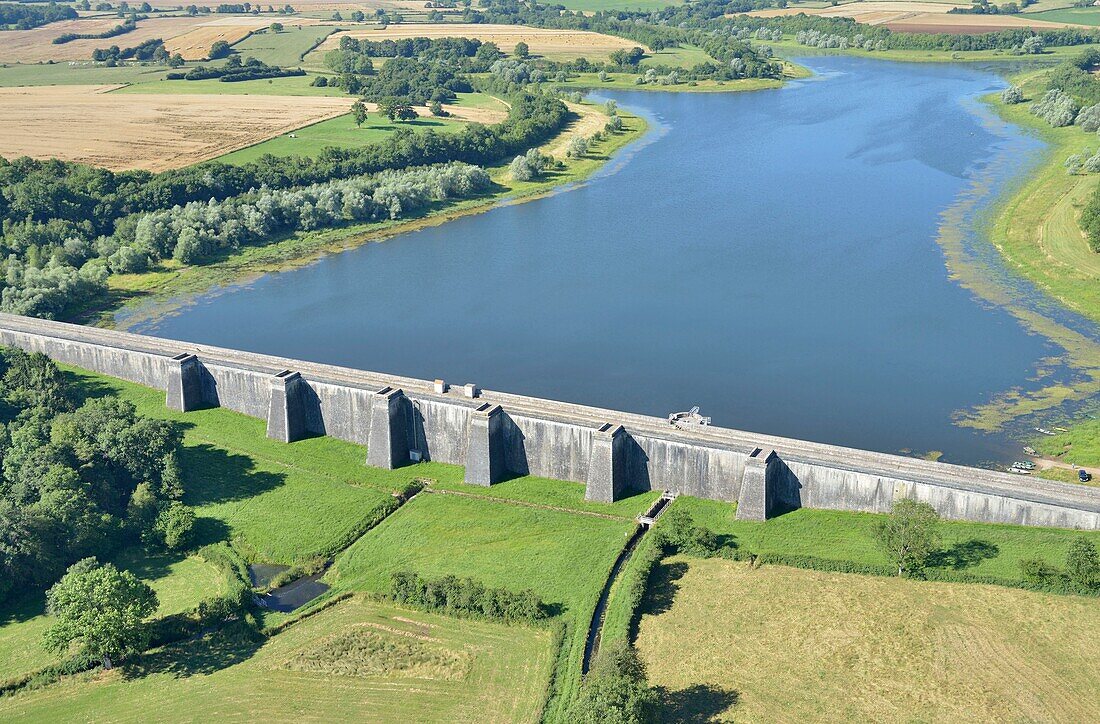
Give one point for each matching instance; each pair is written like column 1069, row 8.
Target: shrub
column 465, row 596
column 1083, row 564
column 616, row 690
column 1012, row 95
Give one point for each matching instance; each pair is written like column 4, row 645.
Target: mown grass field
column 180, row 583
column 64, row 74
column 976, row 548
column 284, row 48
column 555, row 493
column 563, row 557
column 340, row 132
column 358, row 660
column 1077, row 16
column 729, row 642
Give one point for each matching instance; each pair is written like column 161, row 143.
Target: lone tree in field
column 1083, row 563
column 909, row 536
column 522, row 50
column 276, row 27
column 396, row 109
column 359, row 113
column 101, row 608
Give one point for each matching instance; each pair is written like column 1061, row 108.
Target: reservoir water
column 769, row 256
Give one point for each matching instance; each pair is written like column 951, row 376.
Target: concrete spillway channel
column 595, row 628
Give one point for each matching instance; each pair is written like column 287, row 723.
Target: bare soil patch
column 153, row 132
column 542, row 41
column 960, row 23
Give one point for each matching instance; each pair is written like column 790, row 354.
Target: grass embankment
column 358, row 659
column 171, row 280
column 781, row 644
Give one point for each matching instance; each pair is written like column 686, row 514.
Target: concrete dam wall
column 495, row 435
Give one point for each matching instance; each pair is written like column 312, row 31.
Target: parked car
column 1084, row 476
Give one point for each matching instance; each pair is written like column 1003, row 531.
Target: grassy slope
column 180, row 584
column 283, row 503
column 846, row 536
column 498, row 676
column 342, row 132
column 1079, row 446
column 564, row 557
column 806, row 645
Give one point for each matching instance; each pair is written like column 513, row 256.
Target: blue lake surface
column 769, row 256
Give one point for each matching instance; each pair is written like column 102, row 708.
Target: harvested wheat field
column 932, row 23
column 545, row 42
column 152, row 132
column 783, row 644
column 34, row 46
column 916, row 17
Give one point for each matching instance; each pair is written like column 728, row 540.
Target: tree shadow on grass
column 228, row 646
column 213, row 475
column 697, row 703
column 964, row 554
column 663, row 587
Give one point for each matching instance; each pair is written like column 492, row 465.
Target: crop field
column 919, row 17
column 975, row 548
column 36, row 45
column 780, row 644
column 189, row 36
column 85, row 124
column 554, row 44
column 180, row 584
column 356, row 659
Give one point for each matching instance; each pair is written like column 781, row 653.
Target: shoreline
column 143, row 298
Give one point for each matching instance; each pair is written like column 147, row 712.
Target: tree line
column 126, row 26
column 23, row 16
column 78, row 479
column 235, row 70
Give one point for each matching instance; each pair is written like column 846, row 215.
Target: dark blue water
column 768, row 256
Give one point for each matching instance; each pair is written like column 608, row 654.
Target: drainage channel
column 595, row 628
